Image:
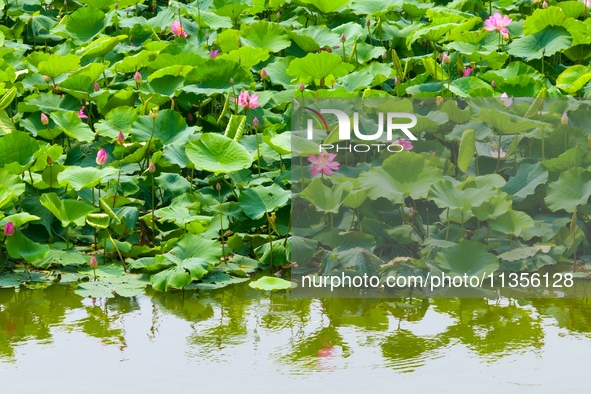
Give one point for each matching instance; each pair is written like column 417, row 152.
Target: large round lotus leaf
column 551, row 40
column 56, row 65
column 67, row 211
column 21, row 247
column 85, row 23
column 82, row 177
column 319, row 66
column 126, row 286
column 512, row 222
column 270, row 283
column 572, row 189
column 18, row 148
column 445, row 195
column 528, row 177
column 216, row 153
column 402, row 175
column 247, row 56
column 324, row 198
column 260, row 199
column 168, row 127
column 326, row 6
column 574, row 78
column 72, row 125
column 265, row 35
column 214, row 76
column 469, row 257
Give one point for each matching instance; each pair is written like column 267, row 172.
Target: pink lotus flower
column 499, row 23
column 93, row 262
column 467, row 71
column 505, row 99
column 44, row 119
column 81, row 113
column 101, row 157
column 498, row 153
column 120, row 138
column 324, row 163
column 564, row 119
column 96, row 86
column 445, row 58
column 9, row 229
column 214, row 53
column 152, row 167
column 587, row 3
column 407, row 145
column 178, row 30
column 247, row 100
column 137, row 77
column 255, row 122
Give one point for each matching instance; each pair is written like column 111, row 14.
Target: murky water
column 242, row 341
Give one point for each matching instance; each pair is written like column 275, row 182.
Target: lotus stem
column 219, row 189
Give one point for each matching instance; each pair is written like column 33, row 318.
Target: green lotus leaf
column 493, row 207
column 21, row 247
column 572, row 189
column 512, row 222
column 62, row 258
column 99, row 220
column 554, row 16
column 133, row 63
column 17, row 152
column 217, row 280
column 265, row 35
column 118, row 119
column 281, row 143
column 544, row 43
column 324, row 198
column 214, row 76
column 569, row 159
column 216, row 153
column 469, row 257
column 193, row 257
column 8, row 97
column 319, row 66
column 84, row 177
column 72, row 125
column 401, row 175
column 18, row 219
column 270, row 283
column 528, row 177
column 445, row 195
column 464, row 87
column 67, row 211
column 326, row 6
column 467, row 149
column 129, row 285
column 574, row 78
column 57, row 65
column 263, row 199
column 169, row 127
column 102, row 46
column 247, row 56
column 85, row 23
column 505, row 123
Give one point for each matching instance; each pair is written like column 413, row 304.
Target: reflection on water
column 169, row 339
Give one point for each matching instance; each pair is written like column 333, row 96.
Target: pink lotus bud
column 151, row 168
column 153, row 114
column 263, row 73
column 120, row 138
column 190, row 117
column 445, row 58
column 137, row 77
column 49, row 160
column 9, row 229
column 218, row 187
column 384, row 55
column 101, row 157
column 96, row 87
column 206, row 36
column 302, row 87
column 367, row 22
column 564, row 119
column 278, row 15
column 232, row 81
column 396, row 81
column 44, row 119
column 255, row 122
column 493, row 84
column 93, row 262
column 343, row 38
column 544, row 4
column 46, row 78
column 116, row 5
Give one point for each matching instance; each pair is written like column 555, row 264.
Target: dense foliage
column 153, row 137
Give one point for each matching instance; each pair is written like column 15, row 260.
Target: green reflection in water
column 315, row 334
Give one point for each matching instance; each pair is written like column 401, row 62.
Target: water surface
column 240, row 340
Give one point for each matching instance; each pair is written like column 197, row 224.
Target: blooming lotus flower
column 407, row 145
column 498, row 153
column 93, row 262
column 499, row 23
column 247, row 100
column 81, row 113
column 505, row 99
column 9, row 229
column 214, row 53
column 44, row 119
column 101, row 157
column 178, row 30
column 324, row 163
column 120, row 138
column 564, row 119
column 467, row 71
